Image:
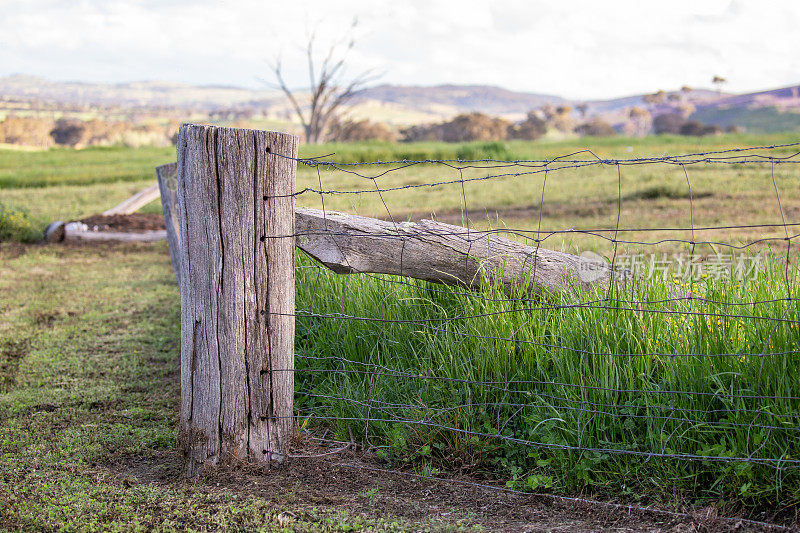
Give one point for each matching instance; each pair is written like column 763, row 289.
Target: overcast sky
column 573, row 48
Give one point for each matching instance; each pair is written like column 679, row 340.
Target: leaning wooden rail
column 438, row 252
column 426, row 250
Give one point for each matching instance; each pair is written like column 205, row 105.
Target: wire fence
column 680, row 364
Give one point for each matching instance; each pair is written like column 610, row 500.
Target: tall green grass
column 549, row 393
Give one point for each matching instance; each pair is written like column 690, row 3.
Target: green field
column 87, row 359
column 61, row 184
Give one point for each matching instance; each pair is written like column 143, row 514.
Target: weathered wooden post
column 167, row 176
column 236, row 213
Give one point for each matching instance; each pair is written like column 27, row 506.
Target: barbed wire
column 703, row 157
column 538, row 166
column 740, row 346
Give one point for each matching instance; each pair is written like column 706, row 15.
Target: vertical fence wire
column 681, row 355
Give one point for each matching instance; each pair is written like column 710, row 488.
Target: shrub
column 699, row 129
column 68, row 132
column 692, row 127
column 463, row 128
column 558, row 118
column 19, row 225
column 361, row 130
column 26, row 131
column 596, row 127
column 712, row 129
column 529, row 129
column 669, row 123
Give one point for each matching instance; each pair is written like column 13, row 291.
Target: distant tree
column 582, row 109
column 733, row 128
column 596, row 127
column 529, row 129
column 686, row 109
column 669, row 123
column 421, row 132
column 101, row 132
column 655, row 98
column 68, row 132
column 475, row 127
column 558, row 118
column 694, row 128
column 329, row 87
column 26, row 131
column 548, row 111
column 719, row 81
column 462, row 128
column 361, row 130
column 640, row 120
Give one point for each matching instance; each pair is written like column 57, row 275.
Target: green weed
column 18, row 225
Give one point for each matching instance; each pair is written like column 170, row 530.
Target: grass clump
column 18, row 225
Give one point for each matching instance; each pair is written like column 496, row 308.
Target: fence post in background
column 167, row 176
column 236, row 213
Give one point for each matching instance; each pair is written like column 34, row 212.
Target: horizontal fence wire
column 682, row 354
column 562, row 163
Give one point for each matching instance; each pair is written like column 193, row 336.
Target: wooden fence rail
column 167, row 176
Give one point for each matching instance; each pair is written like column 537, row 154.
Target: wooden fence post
column 167, row 176
column 236, row 213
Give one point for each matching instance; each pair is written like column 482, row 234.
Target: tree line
column 75, row 133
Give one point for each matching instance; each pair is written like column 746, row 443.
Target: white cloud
column 577, row 48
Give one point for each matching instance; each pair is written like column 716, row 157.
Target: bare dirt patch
column 362, row 486
column 11, row 353
column 135, row 222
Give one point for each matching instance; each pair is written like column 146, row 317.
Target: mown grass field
column 89, row 399
column 62, row 184
column 89, row 347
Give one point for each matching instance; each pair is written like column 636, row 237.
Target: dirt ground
column 125, row 223
column 322, row 477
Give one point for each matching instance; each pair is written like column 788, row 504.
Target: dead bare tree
column 719, row 81
column 330, row 88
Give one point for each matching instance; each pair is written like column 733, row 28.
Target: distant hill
column 144, row 93
column 460, row 98
column 785, row 97
column 764, row 111
column 761, row 112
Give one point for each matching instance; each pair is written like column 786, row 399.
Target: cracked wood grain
column 237, row 293
column 438, row 252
